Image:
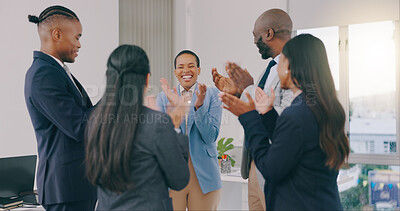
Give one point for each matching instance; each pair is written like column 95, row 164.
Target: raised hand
column 264, row 103
column 235, row 105
column 201, row 94
column 241, row 78
column 222, row 83
column 172, row 96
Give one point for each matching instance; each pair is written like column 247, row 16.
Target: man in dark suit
column 272, row 30
column 59, row 106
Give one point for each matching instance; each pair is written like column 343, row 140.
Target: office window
column 371, row 146
column 363, row 62
column 392, row 147
column 386, row 147
column 372, row 84
column 330, row 37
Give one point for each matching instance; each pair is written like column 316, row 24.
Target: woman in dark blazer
column 309, row 144
column 133, row 153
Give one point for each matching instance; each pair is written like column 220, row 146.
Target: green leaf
column 229, row 147
column 232, row 161
column 228, row 141
column 223, row 147
column 220, row 143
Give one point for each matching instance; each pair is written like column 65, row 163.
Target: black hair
column 187, row 52
column 110, row 138
column 50, row 12
column 310, row 72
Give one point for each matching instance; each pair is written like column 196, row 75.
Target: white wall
column 220, row 31
column 217, row 30
column 19, row 38
column 317, row 13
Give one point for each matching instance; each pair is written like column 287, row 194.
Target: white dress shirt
column 188, row 93
column 268, row 84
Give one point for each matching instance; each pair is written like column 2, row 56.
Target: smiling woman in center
column 201, row 125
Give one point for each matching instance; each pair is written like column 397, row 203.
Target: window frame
column 343, row 96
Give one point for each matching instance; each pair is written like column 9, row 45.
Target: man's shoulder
column 44, row 71
column 40, row 64
column 155, row 118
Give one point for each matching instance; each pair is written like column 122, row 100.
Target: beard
column 264, row 49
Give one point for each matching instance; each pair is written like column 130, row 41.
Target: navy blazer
column 159, row 161
column 58, row 113
column 294, row 164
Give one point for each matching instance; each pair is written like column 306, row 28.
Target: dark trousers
column 72, row 206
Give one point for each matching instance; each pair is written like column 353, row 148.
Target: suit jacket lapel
column 47, row 58
column 85, row 96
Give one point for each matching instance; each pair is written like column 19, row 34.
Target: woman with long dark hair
column 133, row 153
column 309, row 144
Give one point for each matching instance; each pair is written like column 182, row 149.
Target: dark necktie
column 70, row 76
column 261, row 84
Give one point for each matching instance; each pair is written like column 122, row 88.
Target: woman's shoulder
column 152, row 124
column 146, row 110
column 155, row 116
column 299, row 109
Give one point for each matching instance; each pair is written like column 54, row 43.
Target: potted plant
column 223, row 146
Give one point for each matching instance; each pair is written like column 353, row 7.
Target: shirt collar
column 57, row 60
column 183, row 90
column 277, row 58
